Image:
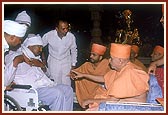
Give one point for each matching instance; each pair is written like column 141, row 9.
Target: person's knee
column 70, row 92
column 66, row 89
column 69, row 89
column 58, row 93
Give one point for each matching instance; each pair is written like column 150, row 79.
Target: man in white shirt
column 13, row 36
column 62, row 52
column 59, row 97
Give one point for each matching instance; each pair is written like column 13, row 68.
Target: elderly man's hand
column 27, row 60
column 75, row 75
column 85, row 103
column 152, row 68
column 8, row 88
column 72, row 75
column 18, row 59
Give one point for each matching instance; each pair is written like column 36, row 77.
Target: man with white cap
column 125, row 82
column 58, row 97
column 98, row 65
column 13, row 35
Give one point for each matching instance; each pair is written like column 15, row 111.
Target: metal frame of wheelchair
column 26, row 100
column 10, row 104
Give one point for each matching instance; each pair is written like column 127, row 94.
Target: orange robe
column 85, row 88
column 129, row 82
column 140, row 64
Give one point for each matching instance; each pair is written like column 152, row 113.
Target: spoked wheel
column 10, row 104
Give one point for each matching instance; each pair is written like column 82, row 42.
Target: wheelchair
column 25, row 100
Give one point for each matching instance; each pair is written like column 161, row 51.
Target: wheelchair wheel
column 44, row 108
column 11, row 104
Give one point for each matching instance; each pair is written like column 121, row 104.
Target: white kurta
column 9, row 70
column 62, row 55
column 34, row 76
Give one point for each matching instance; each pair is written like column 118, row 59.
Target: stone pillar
column 96, row 17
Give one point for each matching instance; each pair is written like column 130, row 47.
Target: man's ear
column 56, row 28
column 136, row 55
column 109, row 60
column 101, row 57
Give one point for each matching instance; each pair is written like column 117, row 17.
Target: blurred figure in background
column 134, row 55
column 158, row 54
column 157, row 65
column 153, row 65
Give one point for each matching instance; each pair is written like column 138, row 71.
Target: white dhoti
column 59, row 70
column 59, row 97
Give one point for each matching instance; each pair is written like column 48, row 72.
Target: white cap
column 23, row 18
column 33, row 39
column 14, row 28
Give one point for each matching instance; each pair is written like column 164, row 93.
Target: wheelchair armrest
column 21, row 86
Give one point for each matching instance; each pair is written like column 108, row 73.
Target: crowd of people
column 120, row 78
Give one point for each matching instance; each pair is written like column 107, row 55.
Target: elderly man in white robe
column 59, row 97
column 13, row 36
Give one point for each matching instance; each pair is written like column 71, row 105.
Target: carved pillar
column 96, row 17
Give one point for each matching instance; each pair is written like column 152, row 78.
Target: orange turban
column 135, row 48
column 99, row 49
column 159, row 49
column 120, row 50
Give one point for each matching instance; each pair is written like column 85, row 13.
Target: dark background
column 146, row 18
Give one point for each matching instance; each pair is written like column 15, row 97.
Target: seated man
column 86, row 89
column 157, row 55
column 58, row 97
column 134, row 55
column 159, row 62
column 125, row 82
